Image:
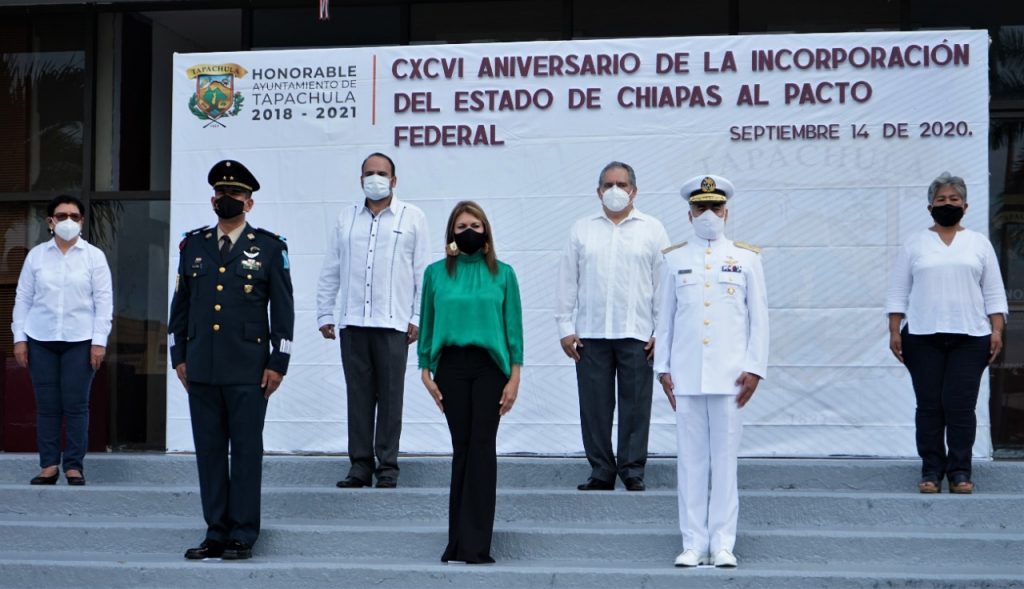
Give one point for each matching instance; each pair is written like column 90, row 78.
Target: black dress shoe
column 351, row 483
column 41, row 480
column 596, row 485
column 635, row 484
column 76, row 481
column 236, row 550
column 386, row 483
column 208, row 549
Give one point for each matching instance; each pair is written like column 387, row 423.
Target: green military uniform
column 220, row 328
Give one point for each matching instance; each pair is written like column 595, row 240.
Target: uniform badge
column 177, row 283
column 284, row 254
column 253, row 252
column 247, row 288
column 251, row 264
column 732, row 268
column 707, row 184
column 684, row 271
column 197, row 263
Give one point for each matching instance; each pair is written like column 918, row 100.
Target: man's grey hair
column 947, row 179
column 613, row 165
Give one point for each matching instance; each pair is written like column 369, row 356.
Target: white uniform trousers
column 708, row 432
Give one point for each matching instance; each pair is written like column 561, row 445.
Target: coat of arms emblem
column 215, row 96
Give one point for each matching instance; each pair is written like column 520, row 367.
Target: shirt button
column 707, row 285
column 707, row 266
column 216, row 327
column 707, row 322
column 216, row 307
column 223, row 269
column 707, row 303
column 708, row 251
column 706, row 341
column 220, row 287
column 731, row 290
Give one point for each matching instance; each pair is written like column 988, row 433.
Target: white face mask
column 376, row 187
column 709, row 225
column 67, row 229
column 615, row 199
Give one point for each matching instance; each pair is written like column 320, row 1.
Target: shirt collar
column 235, row 233
column 393, row 207
column 634, row 214
column 79, row 244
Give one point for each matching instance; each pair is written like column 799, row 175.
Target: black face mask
column 470, row 241
column 947, row 215
column 228, row 208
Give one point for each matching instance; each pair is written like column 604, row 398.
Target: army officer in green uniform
column 230, row 356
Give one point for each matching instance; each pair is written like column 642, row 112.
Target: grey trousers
column 603, row 362
column 374, row 360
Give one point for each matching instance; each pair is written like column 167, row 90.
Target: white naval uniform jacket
column 712, row 317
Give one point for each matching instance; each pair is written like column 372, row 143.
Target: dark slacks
column 61, row 378
column 223, row 417
column 374, row 360
column 471, row 384
column 946, row 370
column 603, row 362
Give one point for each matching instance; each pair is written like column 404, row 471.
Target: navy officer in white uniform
column 712, row 352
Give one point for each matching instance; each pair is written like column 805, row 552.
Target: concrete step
column 287, row 572
column 530, row 473
column 523, row 542
column 799, row 509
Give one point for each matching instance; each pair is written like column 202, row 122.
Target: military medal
column 251, row 265
column 247, row 288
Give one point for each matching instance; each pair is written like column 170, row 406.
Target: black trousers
column 946, row 370
column 471, row 385
column 603, row 362
column 374, row 360
column 223, row 417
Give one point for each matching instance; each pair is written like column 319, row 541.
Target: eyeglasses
column 65, row 216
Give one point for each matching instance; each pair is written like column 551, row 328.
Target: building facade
column 85, row 110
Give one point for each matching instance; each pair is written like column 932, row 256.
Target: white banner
column 830, row 140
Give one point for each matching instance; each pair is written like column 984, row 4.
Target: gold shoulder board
column 747, row 246
column 673, row 247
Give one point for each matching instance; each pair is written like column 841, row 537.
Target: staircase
column 803, row 523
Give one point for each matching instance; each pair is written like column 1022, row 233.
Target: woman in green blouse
column 471, row 340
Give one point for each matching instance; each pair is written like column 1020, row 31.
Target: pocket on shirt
column 686, row 289
column 255, row 332
column 733, row 286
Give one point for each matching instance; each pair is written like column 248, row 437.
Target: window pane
column 42, row 100
column 1006, row 163
column 349, row 26
column 815, row 16
column 134, row 236
column 648, row 18
column 469, row 22
column 1006, row 63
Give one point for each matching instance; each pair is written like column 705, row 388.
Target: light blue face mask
column 67, row 229
column 376, row 187
column 615, row 199
column 709, row 225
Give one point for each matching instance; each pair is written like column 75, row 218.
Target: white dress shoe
column 724, row 559
column 690, row 558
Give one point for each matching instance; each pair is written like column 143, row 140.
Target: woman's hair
column 64, row 199
column 947, row 179
column 468, row 206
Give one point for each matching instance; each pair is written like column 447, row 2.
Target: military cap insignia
column 707, row 184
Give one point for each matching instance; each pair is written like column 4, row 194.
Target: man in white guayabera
column 375, row 259
column 605, row 313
